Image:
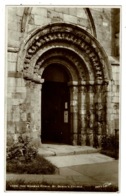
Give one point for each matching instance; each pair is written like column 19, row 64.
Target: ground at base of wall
column 38, row 166
column 110, row 146
column 111, row 153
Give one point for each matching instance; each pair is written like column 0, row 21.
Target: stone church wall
column 22, row 22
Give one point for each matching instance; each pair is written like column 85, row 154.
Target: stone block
column 74, row 139
column 11, row 10
column 26, row 135
column 83, row 22
column 12, row 74
column 98, row 98
column 12, row 57
column 17, row 95
column 39, row 11
column 112, row 117
column 51, row 8
column 10, row 140
column 115, row 94
column 117, row 82
column 13, row 43
column 99, row 140
column 117, row 88
column 109, row 110
column 14, row 35
column 114, row 88
column 14, row 26
column 91, row 139
column 16, row 102
column 73, row 11
column 109, row 94
column 23, row 116
column 46, row 21
column 16, row 114
column 36, row 141
column 9, row 116
column 23, row 96
column 18, row 127
column 31, row 27
column 115, row 69
column 105, row 23
column 9, row 102
column 115, row 106
column 115, row 111
column 82, row 111
column 34, row 135
column 53, row 14
column 62, row 10
column 115, row 99
column 12, row 15
column 20, row 11
column 114, row 61
column 14, row 18
column 53, row 20
column 11, row 82
column 38, row 20
column 11, row 89
column 81, row 13
column 116, row 76
column 97, row 9
column 10, row 127
column 115, row 116
column 21, row 89
column 104, row 38
column 9, row 95
column 108, row 89
column 19, row 82
column 69, row 18
column 11, row 66
column 83, row 139
column 16, row 137
column 117, row 123
column 31, row 19
column 73, row 109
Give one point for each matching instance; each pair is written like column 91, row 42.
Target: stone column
column 36, row 113
column 82, row 114
column 74, row 112
column 91, row 127
column 100, row 106
column 108, row 103
column 36, row 131
column 98, row 115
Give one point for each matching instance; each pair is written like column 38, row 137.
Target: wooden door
column 55, row 113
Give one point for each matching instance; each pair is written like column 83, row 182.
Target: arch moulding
column 90, row 75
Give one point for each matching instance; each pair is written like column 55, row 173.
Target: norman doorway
column 55, row 106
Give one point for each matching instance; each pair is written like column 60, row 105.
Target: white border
column 123, row 83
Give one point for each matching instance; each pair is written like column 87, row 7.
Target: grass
column 20, row 185
column 38, row 166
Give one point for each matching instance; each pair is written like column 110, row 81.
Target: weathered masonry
column 63, row 74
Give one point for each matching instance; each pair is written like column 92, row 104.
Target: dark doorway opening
column 55, row 106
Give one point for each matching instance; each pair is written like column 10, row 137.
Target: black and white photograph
column 62, row 98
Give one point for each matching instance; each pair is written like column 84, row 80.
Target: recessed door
column 55, row 113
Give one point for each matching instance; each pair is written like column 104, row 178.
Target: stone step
column 48, row 150
column 79, row 159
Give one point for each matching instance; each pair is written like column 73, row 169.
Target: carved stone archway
column 90, row 75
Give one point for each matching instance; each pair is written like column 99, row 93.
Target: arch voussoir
column 87, row 65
